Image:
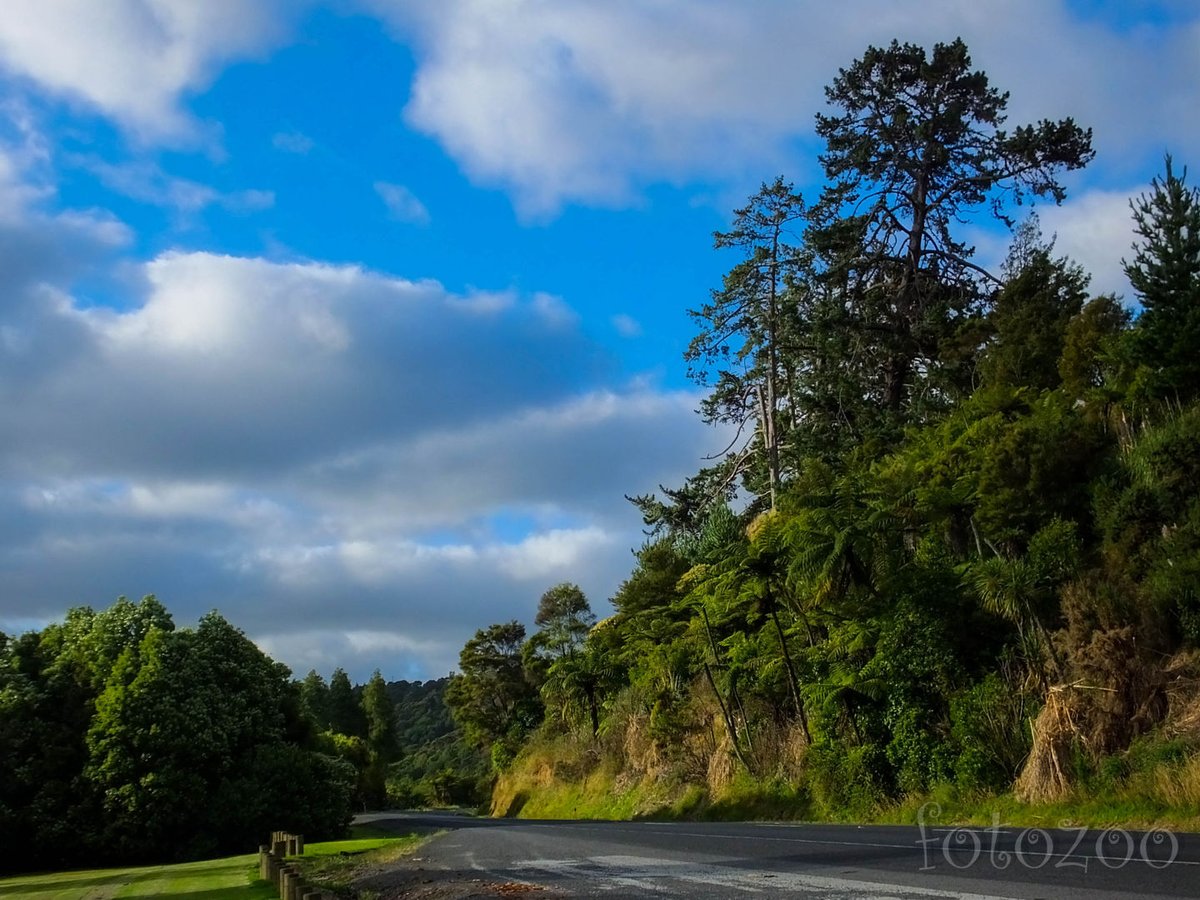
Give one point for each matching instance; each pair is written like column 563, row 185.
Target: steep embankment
column 1156, row 783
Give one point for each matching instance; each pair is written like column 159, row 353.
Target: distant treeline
column 420, row 760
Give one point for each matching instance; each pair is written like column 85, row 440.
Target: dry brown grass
column 722, row 767
column 1044, row 778
column 1182, row 675
column 1179, row 786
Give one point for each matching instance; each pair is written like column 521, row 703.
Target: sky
column 357, row 320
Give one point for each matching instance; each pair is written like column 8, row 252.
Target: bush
column 990, row 731
column 846, row 782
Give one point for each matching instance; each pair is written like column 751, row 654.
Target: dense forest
column 954, row 541
column 400, row 738
column 123, row 738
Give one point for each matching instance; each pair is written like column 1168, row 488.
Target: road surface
column 718, row 859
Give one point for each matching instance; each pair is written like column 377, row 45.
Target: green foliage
column 847, row 781
column 182, row 718
column 344, row 706
column 491, row 698
column 1149, row 513
column 314, row 700
column 990, row 732
column 744, row 329
column 914, row 143
column 380, row 715
column 1165, row 274
column 954, row 499
column 1031, row 315
column 1093, row 363
column 563, row 618
column 192, row 742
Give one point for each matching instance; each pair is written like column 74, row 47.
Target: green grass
column 232, row 878
column 335, row 864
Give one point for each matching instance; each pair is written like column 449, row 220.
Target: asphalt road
column 717, row 859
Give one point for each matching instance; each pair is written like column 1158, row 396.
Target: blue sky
column 356, row 320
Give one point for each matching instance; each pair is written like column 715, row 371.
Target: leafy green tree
column 491, row 698
column 1165, row 274
column 179, row 723
column 1093, row 360
column 1023, row 589
column 345, row 709
column 380, row 715
column 98, row 639
column 563, row 618
column 578, row 683
column 314, row 700
column 49, row 682
column 48, row 811
column 1031, row 314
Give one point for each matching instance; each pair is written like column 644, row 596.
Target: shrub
column 990, row 731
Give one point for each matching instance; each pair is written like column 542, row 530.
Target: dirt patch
column 405, row 878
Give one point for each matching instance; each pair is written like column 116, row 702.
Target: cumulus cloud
column 1096, row 230
column 320, row 451
column 132, row 60
column 350, row 465
column 572, row 101
column 402, row 204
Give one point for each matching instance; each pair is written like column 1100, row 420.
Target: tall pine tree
column 1165, row 273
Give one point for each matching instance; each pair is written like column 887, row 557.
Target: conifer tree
column 915, row 143
column 1165, row 273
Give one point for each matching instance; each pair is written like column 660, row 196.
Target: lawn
column 231, row 878
column 215, row 879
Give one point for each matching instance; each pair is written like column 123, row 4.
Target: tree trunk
column 737, row 750
column 793, row 681
column 595, row 712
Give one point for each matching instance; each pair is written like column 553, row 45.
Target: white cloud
column 626, row 325
column 1096, row 230
column 134, row 59
column 403, row 205
column 554, row 310
column 583, row 452
column 317, row 449
column 551, row 556
column 574, row 101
